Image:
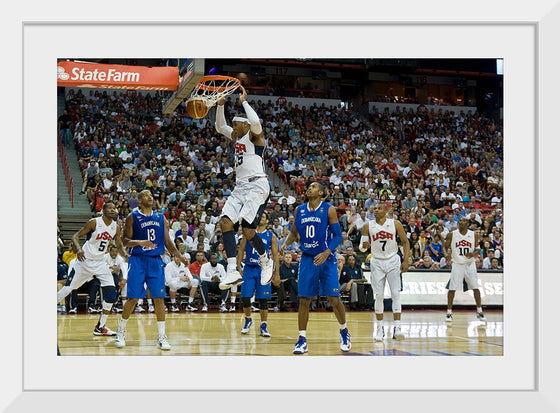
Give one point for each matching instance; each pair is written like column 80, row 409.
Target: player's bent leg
column 109, row 297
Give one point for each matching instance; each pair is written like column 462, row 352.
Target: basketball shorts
column 84, row 271
column 460, row 272
column 145, row 269
column 386, row 270
column 321, row 279
column 252, row 283
column 247, row 202
column 176, row 284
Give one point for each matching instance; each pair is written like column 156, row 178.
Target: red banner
column 104, row 76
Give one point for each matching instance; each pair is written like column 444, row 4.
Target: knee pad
column 396, row 297
column 245, row 302
column 379, row 303
column 263, row 304
column 109, row 294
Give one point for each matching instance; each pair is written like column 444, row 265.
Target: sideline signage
column 105, row 76
column 428, row 288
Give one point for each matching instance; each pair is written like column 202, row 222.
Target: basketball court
column 218, row 334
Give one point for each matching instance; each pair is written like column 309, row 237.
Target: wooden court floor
column 426, row 334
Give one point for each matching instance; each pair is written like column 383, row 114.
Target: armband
column 335, row 241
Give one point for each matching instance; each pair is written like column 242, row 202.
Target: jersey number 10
column 310, row 231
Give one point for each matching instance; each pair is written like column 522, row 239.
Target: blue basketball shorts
column 145, row 269
column 252, row 283
column 322, row 279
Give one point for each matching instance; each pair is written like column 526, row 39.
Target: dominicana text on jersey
column 150, row 227
column 309, row 223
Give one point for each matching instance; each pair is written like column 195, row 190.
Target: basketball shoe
column 345, row 344
column 163, row 343
column 267, row 267
column 263, row 330
column 397, row 333
column 448, row 318
column 481, row 317
column 103, row 331
column 232, row 278
column 379, row 334
column 119, row 339
column 247, row 325
column 301, row 346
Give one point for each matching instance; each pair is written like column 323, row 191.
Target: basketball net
column 210, row 89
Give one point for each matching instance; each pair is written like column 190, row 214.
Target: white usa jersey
column 96, row 245
column 383, row 239
column 462, row 245
column 249, row 162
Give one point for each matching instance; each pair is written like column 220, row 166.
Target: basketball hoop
column 212, row 88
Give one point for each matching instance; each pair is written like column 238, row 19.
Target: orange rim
column 228, row 83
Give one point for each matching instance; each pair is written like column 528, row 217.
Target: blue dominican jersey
column 150, row 227
column 251, row 256
column 313, row 228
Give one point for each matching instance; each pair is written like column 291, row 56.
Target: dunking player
column 318, row 229
column 252, row 275
column 90, row 261
column 463, row 245
column 386, row 264
column 146, row 233
column 248, row 199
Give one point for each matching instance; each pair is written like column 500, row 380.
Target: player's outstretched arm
column 221, row 125
column 292, row 236
column 252, row 116
column 86, row 229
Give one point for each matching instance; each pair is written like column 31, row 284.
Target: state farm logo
column 61, row 74
column 98, row 75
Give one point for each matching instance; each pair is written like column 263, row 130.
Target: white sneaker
column 191, row 308
column 267, row 268
column 231, row 308
column 379, row 334
column 397, row 333
column 174, row 308
column 247, row 325
column 204, row 309
column 150, row 308
column 119, row 338
column 223, row 308
column 254, row 309
column 481, row 317
column 139, row 309
column 448, row 318
column 232, row 278
column 163, row 343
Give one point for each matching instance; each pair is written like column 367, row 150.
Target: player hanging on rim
column 248, row 199
column 462, row 243
column 252, row 274
column 386, row 264
column 317, row 227
column 90, row 261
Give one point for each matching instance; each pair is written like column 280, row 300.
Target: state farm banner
column 105, row 76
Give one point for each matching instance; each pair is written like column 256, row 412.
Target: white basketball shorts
column 246, row 199
column 460, row 271
column 390, row 270
column 84, row 271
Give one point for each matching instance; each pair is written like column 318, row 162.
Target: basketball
column 197, row 108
